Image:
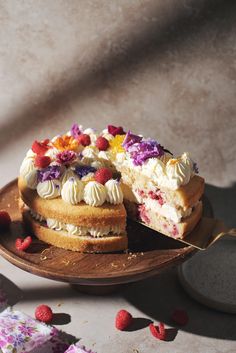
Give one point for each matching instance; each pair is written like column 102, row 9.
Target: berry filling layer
column 155, row 201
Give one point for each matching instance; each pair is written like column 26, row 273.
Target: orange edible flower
column 65, row 142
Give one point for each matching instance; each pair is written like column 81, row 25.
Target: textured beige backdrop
column 166, row 69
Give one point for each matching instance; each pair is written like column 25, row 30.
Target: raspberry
column 43, row 313
column 113, row 130
column 102, row 143
column 42, row 161
column 158, row 331
column 23, row 244
column 102, row 175
column 180, row 317
column 40, row 148
column 123, row 320
column 84, row 140
column 5, row 220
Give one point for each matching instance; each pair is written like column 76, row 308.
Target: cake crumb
column 8, row 205
column 114, row 265
column 66, row 263
column 43, row 256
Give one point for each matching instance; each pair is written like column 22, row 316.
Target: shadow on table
column 223, row 202
column 158, row 297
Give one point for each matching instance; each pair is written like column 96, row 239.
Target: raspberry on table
column 23, row 244
column 159, row 331
column 44, row 313
column 123, row 320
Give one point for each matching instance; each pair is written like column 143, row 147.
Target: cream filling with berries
column 71, row 229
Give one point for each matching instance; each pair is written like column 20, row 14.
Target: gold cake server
column 206, row 233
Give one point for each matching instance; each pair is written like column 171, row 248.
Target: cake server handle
column 218, row 235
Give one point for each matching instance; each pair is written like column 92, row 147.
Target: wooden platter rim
column 87, row 278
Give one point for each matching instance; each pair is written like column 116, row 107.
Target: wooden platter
column 149, row 253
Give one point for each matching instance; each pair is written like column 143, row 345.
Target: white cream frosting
column 167, row 210
column 30, row 153
column 29, row 172
column 178, row 171
column 89, row 154
column 32, row 179
column 94, row 193
column 54, row 224
column 52, row 153
column 166, row 172
column 72, row 191
column 92, row 133
column 72, row 229
column 68, row 173
column 87, row 177
column 114, row 192
column 37, row 216
column 97, row 164
column 106, row 134
column 27, row 166
column 49, row 189
column 76, row 230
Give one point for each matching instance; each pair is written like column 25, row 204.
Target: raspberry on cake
column 72, row 197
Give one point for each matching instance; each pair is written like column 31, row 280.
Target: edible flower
column 65, row 142
column 116, row 144
column 82, row 170
column 49, row 173
column 113, row 130
column 130, row 139
column 75, row 131
column 140, row 152
column 40, row 148
column 66, row 157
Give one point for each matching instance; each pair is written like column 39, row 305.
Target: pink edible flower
column 66, row 157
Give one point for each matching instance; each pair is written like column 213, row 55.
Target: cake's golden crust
column 75, row 243
column 188, row 223
column 189, row 194
column 79, row 215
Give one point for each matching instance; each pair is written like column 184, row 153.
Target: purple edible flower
column 49, row 173
column 75, row 131
column 82, row 170
column 145, row 149
column 130, row 139
column 66, row 157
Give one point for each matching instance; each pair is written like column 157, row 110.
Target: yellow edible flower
column 116, row 144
